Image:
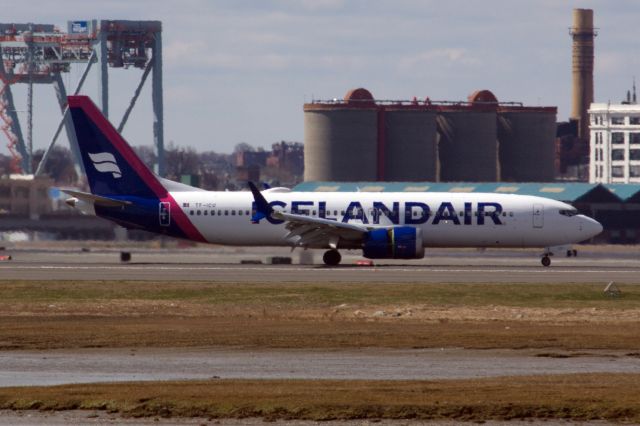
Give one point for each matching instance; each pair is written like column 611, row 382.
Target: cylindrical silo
column 468, row 144
column 341, row 139
column 410, row 144
column 527, row 144
column 340, row 143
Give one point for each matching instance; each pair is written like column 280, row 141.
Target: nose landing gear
column 331, row 257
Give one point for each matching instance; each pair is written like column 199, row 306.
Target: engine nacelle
column 402, row 242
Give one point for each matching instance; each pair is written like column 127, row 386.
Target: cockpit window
column 568, row 213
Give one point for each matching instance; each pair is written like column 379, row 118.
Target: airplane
column 382, row 225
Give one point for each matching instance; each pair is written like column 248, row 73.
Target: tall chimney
column 583, row 34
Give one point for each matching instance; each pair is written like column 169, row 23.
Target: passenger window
column 314, row 212
column 239, row 212
column 510, row 214
column 233, row 212
column 205, row 212
column 198, row 212
column 226, row 212
column 504, row 214
column 219, row 212
column 247, row 212
column 342, row 212
column 191, row 212
column 213, row 212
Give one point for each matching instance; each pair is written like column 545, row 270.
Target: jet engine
column 402, row 242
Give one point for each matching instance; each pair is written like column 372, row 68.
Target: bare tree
column 181, row 161
column 243, row 146
column 147, row 154
column 59, row 166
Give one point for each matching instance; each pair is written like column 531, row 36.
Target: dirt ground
column 505, row 329
column 354, row 312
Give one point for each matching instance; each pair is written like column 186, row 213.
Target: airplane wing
column 314, row 231
column 305, row 230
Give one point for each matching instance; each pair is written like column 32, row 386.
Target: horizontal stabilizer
column 96, row 199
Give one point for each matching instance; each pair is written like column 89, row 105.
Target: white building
column 614, row 143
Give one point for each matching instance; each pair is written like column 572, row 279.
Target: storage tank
column 527, row 144
column 340, row 139
column 468, row 144
column 410, row 145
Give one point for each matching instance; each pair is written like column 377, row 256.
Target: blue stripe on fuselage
column 143, row 213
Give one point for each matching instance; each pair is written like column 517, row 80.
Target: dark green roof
column 569, row 192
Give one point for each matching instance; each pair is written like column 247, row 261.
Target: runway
column 232, row 273
column 54, row 367
column 224, row 266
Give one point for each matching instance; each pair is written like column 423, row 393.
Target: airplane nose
column 591, row 226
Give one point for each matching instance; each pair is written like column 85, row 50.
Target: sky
column 240, row 71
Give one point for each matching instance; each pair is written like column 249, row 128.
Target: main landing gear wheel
column 546, row 261
column 332, row 257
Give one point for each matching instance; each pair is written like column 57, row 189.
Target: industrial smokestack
column 583, row 34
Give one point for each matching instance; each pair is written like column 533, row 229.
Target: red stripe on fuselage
column 118, row 142
column 182, row 220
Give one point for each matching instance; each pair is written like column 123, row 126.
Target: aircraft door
column 164, row 213
column 538, row 215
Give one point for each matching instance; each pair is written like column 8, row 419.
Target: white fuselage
column 450, row 219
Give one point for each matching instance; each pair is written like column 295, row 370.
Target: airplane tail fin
column 111, row 165
column 123, row 189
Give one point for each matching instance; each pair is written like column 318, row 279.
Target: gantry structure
column 41, row 53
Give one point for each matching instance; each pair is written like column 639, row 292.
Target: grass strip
column 292, row 295
column 579, row 397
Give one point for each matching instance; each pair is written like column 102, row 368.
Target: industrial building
column 482, row 139
column 25, row 196
column 615, row 143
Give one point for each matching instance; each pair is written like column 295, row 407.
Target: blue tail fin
column 135, row 197
column 111, row 165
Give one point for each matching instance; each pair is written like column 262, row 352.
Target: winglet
column 263, row 208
